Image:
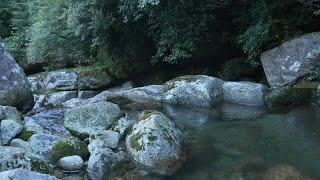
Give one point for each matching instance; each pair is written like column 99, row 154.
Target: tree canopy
column 127, row 34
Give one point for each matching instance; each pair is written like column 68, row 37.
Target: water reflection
column 222, row 149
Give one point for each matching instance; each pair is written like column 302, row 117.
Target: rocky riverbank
column 80, row 123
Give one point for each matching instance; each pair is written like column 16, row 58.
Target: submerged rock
column 155, row 144
column 23, row 174
column 289, row 95
column 284, row 172
column 292, row 61
column 8, row 130
column 68, row 146
column 244, row 93
column 15, row 89
column 71, row 163
column 197, row 90
column 89, row 119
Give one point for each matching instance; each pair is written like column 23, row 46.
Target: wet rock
column 197, row 90
column 23, row 174
column 19, row 143
column 228, row 111
column 91, row 118
column 15, row 89
column 103, row 162
column 71, row 163
column 42, row 144
column 9, row 129
column 123, row 87
column 244, row 93
column 292, row 61
column 68, row 146
column 284, row 172
column 49, row 122
column 155, row 144
column 60, row 97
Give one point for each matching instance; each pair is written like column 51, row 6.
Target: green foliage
column 127, row 36
column 5, row 16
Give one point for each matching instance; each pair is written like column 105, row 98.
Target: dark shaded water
column 237, row 142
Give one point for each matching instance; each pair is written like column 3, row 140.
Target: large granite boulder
column 15, row 89
column 91, row 118
column 195, row 90
column 155, row 144
column 244, row 93
column 292, row 61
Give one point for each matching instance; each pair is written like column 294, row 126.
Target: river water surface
column 238, row 142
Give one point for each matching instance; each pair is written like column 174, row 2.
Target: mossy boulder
column 25, row 134
column 155, row 144
column 290, row 95
column 92, row 78
column 69, row 146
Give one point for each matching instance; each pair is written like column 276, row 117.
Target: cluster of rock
column 86, row 128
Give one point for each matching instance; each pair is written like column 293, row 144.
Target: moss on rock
column 40, row 166
column 290, row 95
column 25, row 134
column 69, row 146
column 134, row 141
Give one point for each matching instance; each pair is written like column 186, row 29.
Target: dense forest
column 129, row 36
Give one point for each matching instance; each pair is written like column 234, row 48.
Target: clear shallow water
column 237, row 142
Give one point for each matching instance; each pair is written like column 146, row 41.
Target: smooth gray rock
column 75, row 102
column 104, row 139
column 294, row 60
column 123, row 87
column 49, row 122
column 91, row 118
column 15, row 89
column 42, row 144
column 19, row 143
column 103, row 162
column 9, row 129
column 71, row 163
column 23, row 174
column 193, row 90
column 244, row 93
column 155, row 144
column 60, row 97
